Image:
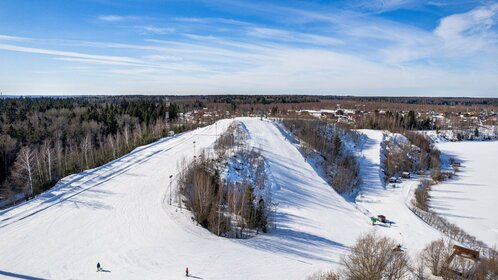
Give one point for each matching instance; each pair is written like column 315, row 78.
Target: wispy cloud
column 13, row 38
column 151, row 29
column 381, row 6
column 290, row 36
column 470, row 31
column 73, row 55
column 115, row 18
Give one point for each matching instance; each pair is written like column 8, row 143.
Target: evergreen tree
column 173, row 111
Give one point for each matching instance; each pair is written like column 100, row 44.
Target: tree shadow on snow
column 296, row 243
column 19, row 276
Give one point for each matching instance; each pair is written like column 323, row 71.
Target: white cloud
column 74, row 55
column 150, row 29
column 469, row 31
column 380, row 6
column 157, row 57
column 13, row 38
column 115, row 18
column 291, row 36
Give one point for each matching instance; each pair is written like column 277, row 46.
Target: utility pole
column 170, row 191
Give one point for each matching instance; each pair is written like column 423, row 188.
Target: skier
column 98, row 267
column 186, row 271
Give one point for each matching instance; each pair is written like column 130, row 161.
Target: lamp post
column 170, row 191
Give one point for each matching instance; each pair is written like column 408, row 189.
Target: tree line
column 339, row 162
column 45, row 139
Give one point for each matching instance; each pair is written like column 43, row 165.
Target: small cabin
column 405, row 175
column 171, row 133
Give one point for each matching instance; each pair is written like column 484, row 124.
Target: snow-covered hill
column 119, row 215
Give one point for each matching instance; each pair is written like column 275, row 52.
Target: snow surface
column 374, row 199
column 470, row 200
column 119, row 215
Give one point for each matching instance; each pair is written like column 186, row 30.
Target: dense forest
column 45, row 139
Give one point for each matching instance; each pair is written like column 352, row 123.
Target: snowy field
column 119, row 215
column 471, row 199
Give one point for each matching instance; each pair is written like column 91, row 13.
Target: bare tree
column 435, row 255
column 59, row 149
column 23, row 170
column 47, row 152
column 374, row 257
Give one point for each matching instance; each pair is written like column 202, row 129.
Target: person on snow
column 98, row 267
column 186, row 271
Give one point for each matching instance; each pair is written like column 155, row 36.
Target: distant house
column 405, row 175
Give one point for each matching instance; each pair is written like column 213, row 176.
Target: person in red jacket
column 186, row 271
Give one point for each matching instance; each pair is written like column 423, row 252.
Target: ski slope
column 119, row 215
column 470, row 200
column 374, row 199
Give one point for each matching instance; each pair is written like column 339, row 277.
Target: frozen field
column 471, row 200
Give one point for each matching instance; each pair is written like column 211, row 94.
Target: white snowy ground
column 471, row 200
column 118, row 215
column 373, row 199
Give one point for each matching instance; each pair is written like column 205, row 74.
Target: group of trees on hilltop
column 417, row 154
column 45, row 139
column 224, row 208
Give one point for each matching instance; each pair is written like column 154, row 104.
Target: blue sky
column 356, row 47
